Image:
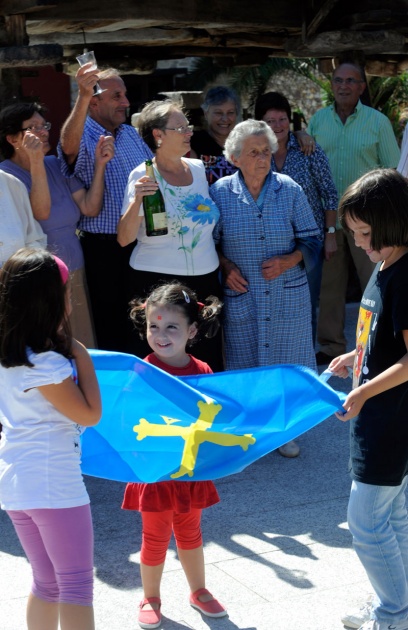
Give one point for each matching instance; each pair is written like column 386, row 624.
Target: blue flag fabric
column 156, row 427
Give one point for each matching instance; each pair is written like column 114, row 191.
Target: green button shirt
column 365, row 142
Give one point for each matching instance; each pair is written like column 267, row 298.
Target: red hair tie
column 200, row 306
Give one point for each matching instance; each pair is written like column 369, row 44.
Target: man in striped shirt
column 356, row 139
column 106, row 262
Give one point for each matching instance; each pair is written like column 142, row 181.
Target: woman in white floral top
column 187, row 253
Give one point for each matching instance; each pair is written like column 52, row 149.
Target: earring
column 159, row 143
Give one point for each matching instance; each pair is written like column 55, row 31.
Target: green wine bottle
column 154, row 208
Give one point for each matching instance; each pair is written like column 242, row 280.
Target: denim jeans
column 378, row 522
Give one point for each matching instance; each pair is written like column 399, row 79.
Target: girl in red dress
column 171, row 318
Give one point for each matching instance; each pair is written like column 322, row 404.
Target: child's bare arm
column 393, row 376
column 80, row 403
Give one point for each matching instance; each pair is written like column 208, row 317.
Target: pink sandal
column 212, row 608
column 149, row 619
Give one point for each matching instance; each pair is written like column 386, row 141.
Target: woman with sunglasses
column 57, row 202
column 187, row 252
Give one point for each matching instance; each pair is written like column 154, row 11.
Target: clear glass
column 89, row 57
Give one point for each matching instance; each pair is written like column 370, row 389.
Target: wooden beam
column 390, row 17
column 16, row 30
column 125, row 65
column 320, row 16
column 212, row 13
column 12, row 7
column 387, row 66
column 381, row 68
column 160, row 37
column 335, row 42
column 48, row 25
column 140, row 60
column 240, row 40
column 23, row 56
column 130, row 37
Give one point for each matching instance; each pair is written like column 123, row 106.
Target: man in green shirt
column 356, row 139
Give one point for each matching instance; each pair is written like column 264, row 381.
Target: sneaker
column 374, row 624
column 290, row 449
column 212, row 608
column 357, row 618
column 149, row 618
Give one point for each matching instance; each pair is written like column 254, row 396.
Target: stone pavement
column 277, row 550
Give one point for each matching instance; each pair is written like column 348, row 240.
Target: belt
column 97, row 236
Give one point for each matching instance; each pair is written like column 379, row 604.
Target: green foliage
column 390, row 95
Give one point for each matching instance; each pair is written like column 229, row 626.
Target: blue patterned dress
column 313, row 173
column 271, row 323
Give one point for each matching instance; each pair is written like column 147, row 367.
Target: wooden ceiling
column 132, row 35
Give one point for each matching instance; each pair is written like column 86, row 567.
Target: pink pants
column 59, row 546
column 157, row 528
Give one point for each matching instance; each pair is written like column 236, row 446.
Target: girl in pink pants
column 48, row 394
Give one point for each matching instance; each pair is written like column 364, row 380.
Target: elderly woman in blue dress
column 266, row 237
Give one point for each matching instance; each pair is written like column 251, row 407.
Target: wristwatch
column 331, row 230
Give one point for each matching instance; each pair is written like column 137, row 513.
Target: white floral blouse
column 188, row 248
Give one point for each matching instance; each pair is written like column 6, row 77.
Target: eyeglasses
column 186, row 129
column 38, row 128
column 348, row 81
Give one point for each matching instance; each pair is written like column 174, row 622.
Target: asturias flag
column 156, row 427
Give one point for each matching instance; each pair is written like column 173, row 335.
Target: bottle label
column 159, row 220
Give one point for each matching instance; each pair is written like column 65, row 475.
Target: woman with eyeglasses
column 56, row 201
column 266, row 236
column 187, row 252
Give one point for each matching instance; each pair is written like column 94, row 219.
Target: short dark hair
column 272, row 100
column 32, row 307
column 11, row 120
column 380, row 199
column 175, row 294
column 155, row 115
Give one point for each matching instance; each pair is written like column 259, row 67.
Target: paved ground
column 277, row 550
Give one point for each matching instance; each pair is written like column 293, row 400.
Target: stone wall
column 302, row 93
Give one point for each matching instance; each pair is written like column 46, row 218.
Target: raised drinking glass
column 89, row 57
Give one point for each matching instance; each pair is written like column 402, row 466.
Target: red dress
column 179, row 496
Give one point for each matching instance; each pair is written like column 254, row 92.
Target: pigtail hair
column 179, row 295
column 208, row 323
column 137, row 314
